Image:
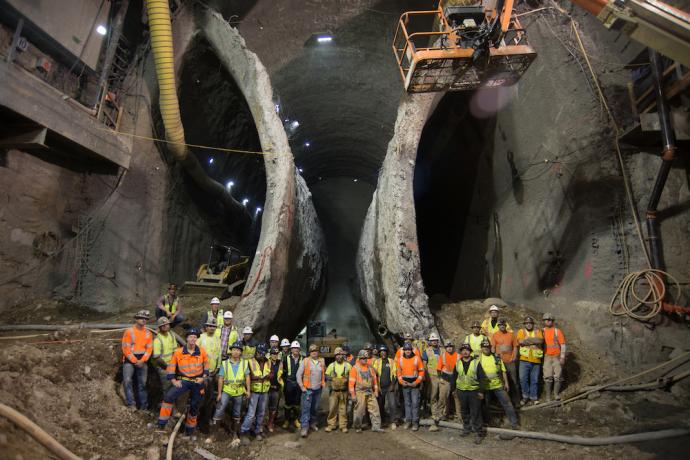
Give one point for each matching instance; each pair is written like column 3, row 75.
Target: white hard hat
column 215, row 300
column 285, row 343
column 274, row 338
column 494, row 308
column 295, row 344
column 433, row 336
column 227, row 315
column 247, row 330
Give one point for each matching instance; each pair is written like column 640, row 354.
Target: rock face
column 388, row 267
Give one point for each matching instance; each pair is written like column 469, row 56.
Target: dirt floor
column 68, row 384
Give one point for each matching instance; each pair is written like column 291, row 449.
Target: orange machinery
column 460, row 47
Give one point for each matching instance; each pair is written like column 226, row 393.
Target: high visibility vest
column 233, row 383
column 137, row 342
column 493, row 367
column 168, row 306
column 248, row 351
column 447, row 368
column 306, row 378
column 404, row 372
column 219, row 318
column 362, row 379
column 378, row 366
column 530, row 353
column 490, row 330
column 288, row 366
column 338, row 372
column 164, row 346
column 467, row 381
column 276, row 377
column 259, row 375
column 475, row 342
column 212, row 346
column 432, row 360
column 553, row 346
column 186, row 365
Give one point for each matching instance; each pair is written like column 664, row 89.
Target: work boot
column 557, row 390
column 434, row 426
column 286, row 424
column 478, row 439
column 328, row 429
column 244, row 439
column 314, row 427
column 212, row 431
column 297, row 424
column 415, row 427
column 271, row 419
column 464, row 433
column 406, row 426
column 343, row 430
column 236, row 425
column 259, row 436
column 394, row 426
column 548, row 386
column 304, row 432
column 378, row 429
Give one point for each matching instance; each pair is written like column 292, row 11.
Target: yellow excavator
column 465, row 44
column 225, row 272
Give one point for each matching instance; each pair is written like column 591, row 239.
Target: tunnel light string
column 206, row 147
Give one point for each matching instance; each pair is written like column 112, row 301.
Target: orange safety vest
column 552, row 339
column 137, row 342
column 446, row 362
column 186, row 365
column 357, row 382
column 306, row 378
column 410, row 368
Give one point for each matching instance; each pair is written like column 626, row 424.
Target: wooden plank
column 32, row 98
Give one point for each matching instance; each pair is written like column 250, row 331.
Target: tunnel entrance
column 452, row 145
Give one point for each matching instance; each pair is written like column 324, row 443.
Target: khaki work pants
column 337, row 409
column 445, row 391
column 366, row 402
column 552, row 368
column 434, row 400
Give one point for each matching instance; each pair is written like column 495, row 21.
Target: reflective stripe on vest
column 416, row 367
column 219, row 317
column 248, row 352
column 166, row 303
column 475, row 342
column 260, row 377
column 168, row 345
column 432, row 360
column 534, row 351
column 467, row 381
column 212, row 346
column 233, row 384
column 289, row 364
column 378, row 367
column 555, row 345
column 306, row 380
column 364, row 380
column 134, row 344
column 444, row 369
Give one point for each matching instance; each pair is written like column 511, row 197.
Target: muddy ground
column 67, row 383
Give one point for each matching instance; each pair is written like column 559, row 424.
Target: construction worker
column 276, row 389
column 291, row 364
column 137, row 346
column 284, row 349
column 504, row 345
column 259, row 372
column 170, row 306
column 554, row 357
column 164, row 345
column 349, row 357
column 215, row 315
column 494, row 383
column 530, row 341
column 234, row 384
column 337, row 378
column 375, row 351
column 446, row 379
column 468, row 391
column 210, row 342
column 187, row 370
column 248, row 343
column 410, row 369
column 490, row 324
column 311, row 379
column 430, row 358
column 228, row 335
column 273, row 342
column 368, row 347
column 475, row 339
column 364, row 390
column 388, row 403
column 407, row 338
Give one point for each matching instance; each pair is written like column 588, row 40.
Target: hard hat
column 261, row 349
column 274, row 338
column 449, row 343
column 285, row 343
column 476, row 324
column 433, row 336
column 193, row 331
column 547, row 316
column 345, row 346
column 362, row 354
column 247, row 330
column 142, row 314
column 295, row 344
column 162, row 321
column 494, row 308
column 383, row 348
column 486, row 343
column 502, row 321
column 313, row 347
column 407, row 336
column 528, row 319
column 227, row 315
column 237, row 345
column 275, row 351
column 210, row 323
column 215, row 300
column 368, row 346
column 465, row 346
column 338, row 351
column 407, row 346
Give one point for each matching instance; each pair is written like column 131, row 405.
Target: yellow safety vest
column 167, row 306
column 467, row 381
column 378, row 367
column 233, row 383
column 212, row 346
column 432, row 361
column 475, row 342
column 492, row 367
column 339, row 374
column 248, row 352
column 219, row 318
column 260, row 381
column 164, row 346
column 531, row 353
column 289, row 363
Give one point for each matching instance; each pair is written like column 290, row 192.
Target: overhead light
column 101, row 30
column 229, row 185
column 324, row 39
column 294, row 124
column 258, row 210
column 354, row 180
column 210, row 161
column 300, row 170
column 245, row 201
column 277, row 107
column 307, row 144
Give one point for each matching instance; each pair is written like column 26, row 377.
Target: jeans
column 235, row 406
column 310, row 404
column 273, row 399
column 129, row 371
column 504, row 399
column 512, row 371
column 471, row 410
column 178, row 319
column 388, row 405
column 529, row 380
column 411, row 397
column 256, row 410
column 195, row 397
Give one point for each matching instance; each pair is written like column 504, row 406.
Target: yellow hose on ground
column 160, row 27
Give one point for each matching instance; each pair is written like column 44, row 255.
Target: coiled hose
column 641, row 307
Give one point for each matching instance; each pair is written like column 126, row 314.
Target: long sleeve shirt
column 137, row 344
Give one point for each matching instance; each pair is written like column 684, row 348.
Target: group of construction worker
column 247, row 379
